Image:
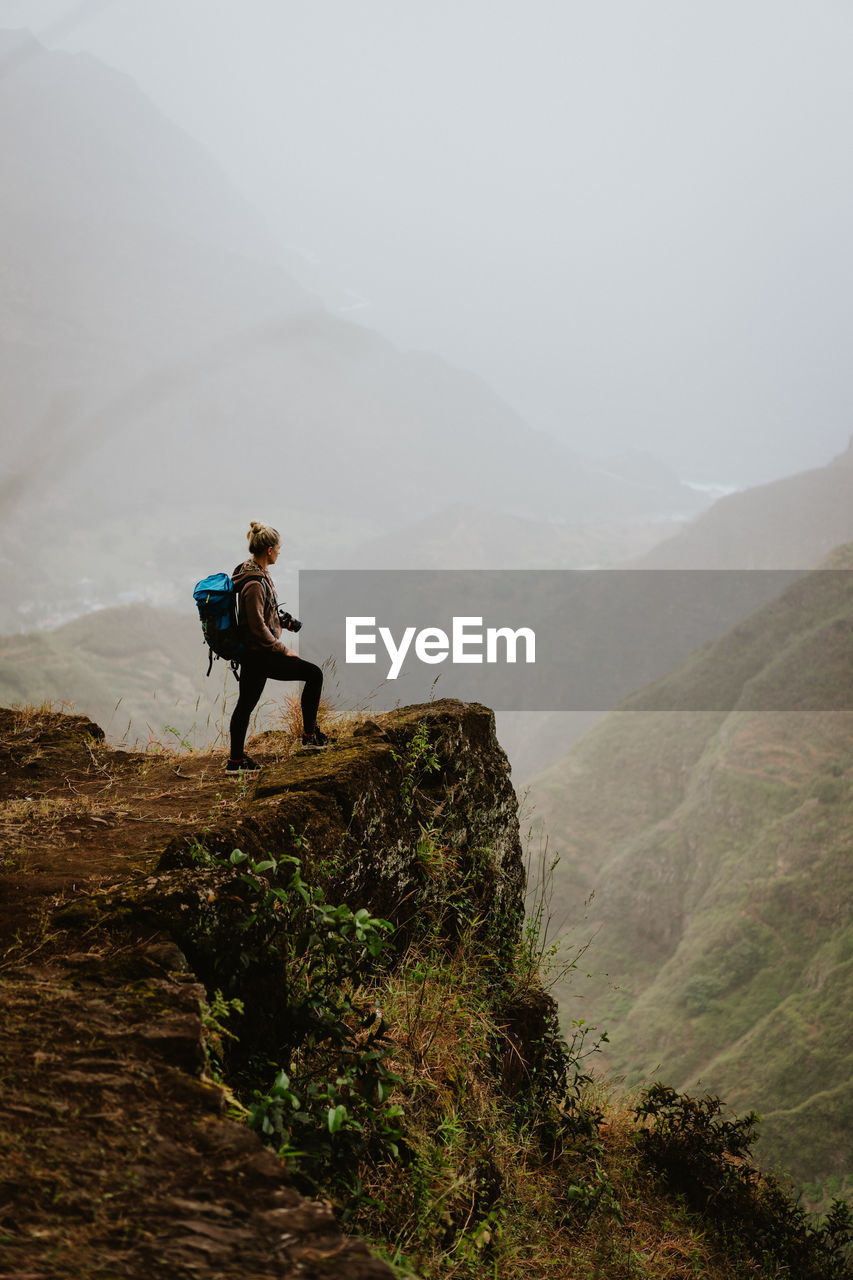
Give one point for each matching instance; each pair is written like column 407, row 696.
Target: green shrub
column 704, row 1156
column 328, row 1107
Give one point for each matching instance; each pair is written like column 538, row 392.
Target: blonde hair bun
column 261, row 536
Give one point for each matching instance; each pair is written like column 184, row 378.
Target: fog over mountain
column 161, row 388
column 631, row 221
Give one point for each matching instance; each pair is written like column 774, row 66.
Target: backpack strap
column 235, row 662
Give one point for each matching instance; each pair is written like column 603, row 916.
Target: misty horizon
column 166, row 309
column 633, row 230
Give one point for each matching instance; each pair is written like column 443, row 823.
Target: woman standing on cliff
column 266, row 656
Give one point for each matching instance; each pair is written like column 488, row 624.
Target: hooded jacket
column 257, row 610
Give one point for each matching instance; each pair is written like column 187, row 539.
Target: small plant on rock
column 417, row 759
column 329, row 1109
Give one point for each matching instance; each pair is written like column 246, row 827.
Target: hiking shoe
column 244, row 765
column 316, row 741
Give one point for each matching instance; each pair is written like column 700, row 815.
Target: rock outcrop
column 114, row 1142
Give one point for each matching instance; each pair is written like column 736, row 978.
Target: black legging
column 254, row 673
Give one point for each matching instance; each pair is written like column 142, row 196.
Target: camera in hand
column 288, row 621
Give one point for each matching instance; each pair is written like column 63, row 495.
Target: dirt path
column 75, row 814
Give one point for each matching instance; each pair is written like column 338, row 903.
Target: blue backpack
column 216, row 600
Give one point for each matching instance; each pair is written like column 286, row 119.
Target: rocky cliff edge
column 120, row 912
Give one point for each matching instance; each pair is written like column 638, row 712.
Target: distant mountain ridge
column 719, row 849
column 72, row 113
column 791, row 523
column 139, row 670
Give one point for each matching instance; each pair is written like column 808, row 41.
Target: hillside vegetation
column 718, row 848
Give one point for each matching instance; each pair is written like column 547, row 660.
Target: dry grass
column 286, row 736
column 479, row 1196
column 45, row 813
column 534, row 1230
column 290, row 717
column 440, row 1029
column 27, row 823
column 28, row 717
column 665, row 1241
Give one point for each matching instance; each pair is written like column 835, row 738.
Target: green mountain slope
column 719, row 849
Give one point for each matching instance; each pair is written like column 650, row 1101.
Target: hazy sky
column 632, row 217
